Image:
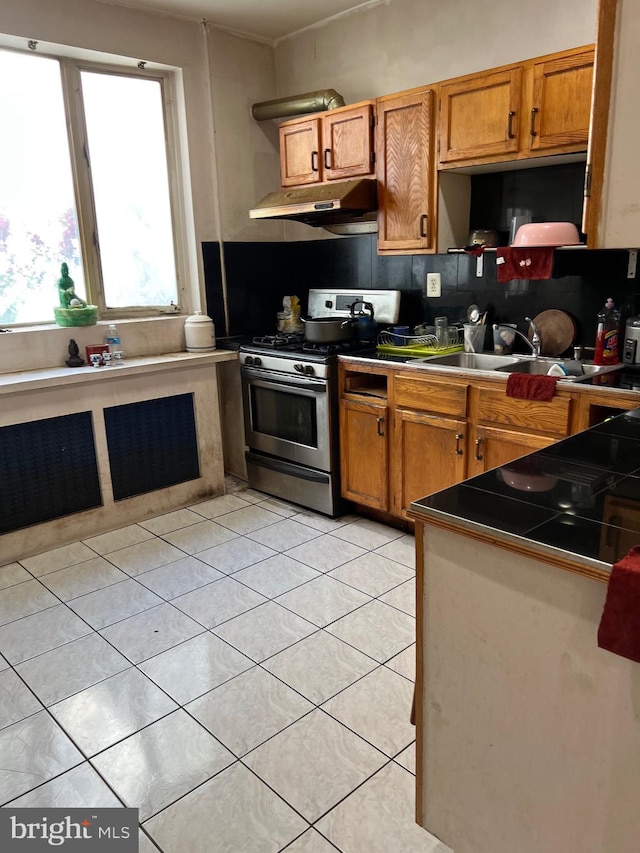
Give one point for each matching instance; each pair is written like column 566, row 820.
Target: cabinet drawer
column 431, row 395
column 494, row 407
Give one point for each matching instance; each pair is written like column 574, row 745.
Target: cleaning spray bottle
column 607, row 350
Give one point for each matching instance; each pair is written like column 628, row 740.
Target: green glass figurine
column 66, row 290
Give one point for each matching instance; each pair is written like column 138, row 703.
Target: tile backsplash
column 260, row 274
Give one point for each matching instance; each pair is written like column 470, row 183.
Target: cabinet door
column 405, row 171
column 428, row 455
column 561, row 102
column 492, row 447
column 364, row 453
column 347, row 143
column 621, row 517
column 480, row 117
column 300, row 153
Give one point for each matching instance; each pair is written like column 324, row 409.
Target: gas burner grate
column 283, row 339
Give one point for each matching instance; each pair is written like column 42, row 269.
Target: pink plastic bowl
column 547, row 234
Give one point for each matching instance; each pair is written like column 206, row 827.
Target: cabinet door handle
column 510, row 132
column 314, row 161
column 327, row 152
column 459, row 437
column 479, row 442
column 532, row 129
column 423, row 225
column 380, row 422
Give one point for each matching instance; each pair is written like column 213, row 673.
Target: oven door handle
column 285, row 468
column 264, row 378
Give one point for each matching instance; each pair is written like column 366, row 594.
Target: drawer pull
column 380, row 422
column 459, row 437
column 479, row 442
column 510, row 132
column 532, row 129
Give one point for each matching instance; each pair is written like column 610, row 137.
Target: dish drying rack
column 420, row 345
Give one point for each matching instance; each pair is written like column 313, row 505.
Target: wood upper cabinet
column 561, row 101
column 300, row 152
column 330, row 146
column 541, row 106
column 347, row 143
column 480, row 116
column 406, row 172
column 364, row 455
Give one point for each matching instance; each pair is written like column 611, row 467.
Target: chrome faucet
column 536, row 341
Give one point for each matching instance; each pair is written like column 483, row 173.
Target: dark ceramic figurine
column 74, row 359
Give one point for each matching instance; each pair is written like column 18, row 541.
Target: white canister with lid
column 199, row 333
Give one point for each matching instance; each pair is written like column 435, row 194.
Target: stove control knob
column 248, row 359
column 308, row 369
column 257, row 361
column 299, row 368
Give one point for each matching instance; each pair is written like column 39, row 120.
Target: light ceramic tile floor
column 239, row 670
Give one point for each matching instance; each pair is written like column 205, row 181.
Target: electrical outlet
column 434, row 287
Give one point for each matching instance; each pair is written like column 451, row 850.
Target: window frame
column 71, row 84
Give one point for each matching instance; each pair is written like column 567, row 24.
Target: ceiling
column 267, row 20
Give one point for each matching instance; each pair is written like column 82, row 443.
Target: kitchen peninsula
column 527, row 732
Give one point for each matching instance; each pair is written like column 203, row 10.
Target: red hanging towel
column 534, row 262
column 526, row 387
column 619, row 630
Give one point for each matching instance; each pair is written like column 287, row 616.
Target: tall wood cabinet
column 406, row 172
column 330, row 146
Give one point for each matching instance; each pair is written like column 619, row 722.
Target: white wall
column 400, row 44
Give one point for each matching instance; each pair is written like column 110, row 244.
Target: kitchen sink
column 470, row 360
column 515, row 364
column 541, row 366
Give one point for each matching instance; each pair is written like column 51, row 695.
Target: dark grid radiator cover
column 48, row 469
column 152, row 445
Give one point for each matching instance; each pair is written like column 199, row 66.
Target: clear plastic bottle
column 112, row 340
column 607, row 349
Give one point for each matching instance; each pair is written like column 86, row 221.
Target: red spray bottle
column 607, row 349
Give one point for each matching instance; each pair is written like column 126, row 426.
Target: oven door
column 288, row 417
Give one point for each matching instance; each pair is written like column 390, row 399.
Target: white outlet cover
column 434, row 286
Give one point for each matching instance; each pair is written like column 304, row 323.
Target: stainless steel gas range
column 290, row 396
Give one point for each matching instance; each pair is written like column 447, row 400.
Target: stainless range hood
column 323, row 205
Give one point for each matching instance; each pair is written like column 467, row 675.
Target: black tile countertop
column 558, row 500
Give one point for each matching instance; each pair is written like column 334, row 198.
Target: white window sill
column 31, row 380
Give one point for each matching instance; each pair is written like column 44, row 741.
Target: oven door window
column 286, row 415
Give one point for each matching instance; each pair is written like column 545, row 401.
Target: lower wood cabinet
column 428, row 453
column 364, row 453
column 490, row 447
column 405, row 434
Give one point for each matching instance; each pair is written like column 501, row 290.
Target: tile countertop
column 28, row 380
column 561, row 504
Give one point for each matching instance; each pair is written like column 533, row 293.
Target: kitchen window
column 85, row 179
